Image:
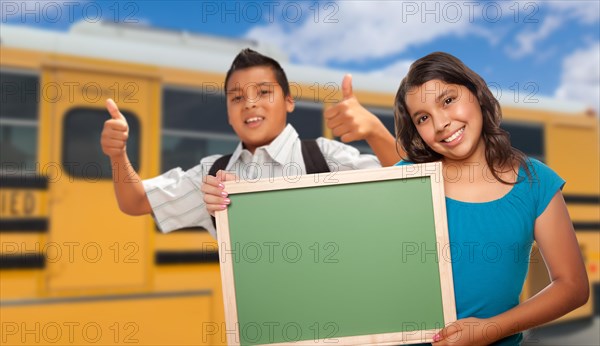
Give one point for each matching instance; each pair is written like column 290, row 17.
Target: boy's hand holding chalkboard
column 215, row 196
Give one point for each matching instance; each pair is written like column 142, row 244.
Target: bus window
column 194, row 125
column 82, row 154
column 529, row 138
column 193, row 110
column 18, row 121
column 307, row 119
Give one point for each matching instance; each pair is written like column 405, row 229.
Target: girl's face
column 449, row 120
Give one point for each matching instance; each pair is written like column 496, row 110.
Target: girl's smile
column 454, row 138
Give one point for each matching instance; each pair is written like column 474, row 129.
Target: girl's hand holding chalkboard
column 468, row 331
column 215, row 196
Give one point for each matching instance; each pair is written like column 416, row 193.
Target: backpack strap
column 313, row 157
column 220, row 164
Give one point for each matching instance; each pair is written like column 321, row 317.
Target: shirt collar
column 278, row 149
column 235, row 156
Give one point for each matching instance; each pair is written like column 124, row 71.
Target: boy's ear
column 289, row 103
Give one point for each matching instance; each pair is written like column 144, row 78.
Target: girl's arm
column 568, row 288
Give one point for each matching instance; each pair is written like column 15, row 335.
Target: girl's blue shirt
column 490, row 244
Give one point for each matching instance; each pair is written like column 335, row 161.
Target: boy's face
column 256, row 107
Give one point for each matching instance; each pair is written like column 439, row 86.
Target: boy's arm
column 129, row 189
column 350, row 121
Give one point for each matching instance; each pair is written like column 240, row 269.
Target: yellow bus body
column 89, row 274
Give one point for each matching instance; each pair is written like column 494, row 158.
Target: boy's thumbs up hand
column 347, row 87
column 348, row 119
column 115, row 132
column 114, row 110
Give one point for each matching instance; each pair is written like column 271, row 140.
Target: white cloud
column 362, row 30
column 587, row 12
column 358, row 31
column 580, row 79
column 527, row 41
column 397, row 70
column 560, row 13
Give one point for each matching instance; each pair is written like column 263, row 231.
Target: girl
column 498, row 201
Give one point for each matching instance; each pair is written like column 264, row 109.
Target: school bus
column 75, row 270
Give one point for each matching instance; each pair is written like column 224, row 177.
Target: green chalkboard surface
column 352, row 260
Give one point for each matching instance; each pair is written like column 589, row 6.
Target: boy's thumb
column 114, row 110
column 225, row 176
column 347, row 87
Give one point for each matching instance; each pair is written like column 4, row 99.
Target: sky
column 524, row 48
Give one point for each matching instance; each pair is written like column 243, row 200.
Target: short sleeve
column 404, row 163
column 176, row 199
column 545, row 184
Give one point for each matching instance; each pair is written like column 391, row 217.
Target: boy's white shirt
column 177, row 201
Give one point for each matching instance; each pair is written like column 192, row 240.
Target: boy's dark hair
column 499, row 154
column 249, row 58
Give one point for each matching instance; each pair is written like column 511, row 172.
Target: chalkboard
column 357, row 257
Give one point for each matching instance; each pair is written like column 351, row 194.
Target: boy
column 258, row 100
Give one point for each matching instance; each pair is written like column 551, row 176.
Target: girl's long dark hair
column 499, row 153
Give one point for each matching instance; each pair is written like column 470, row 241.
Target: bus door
column 92, row 246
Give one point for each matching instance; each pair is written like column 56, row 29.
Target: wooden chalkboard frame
column 431, row 170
